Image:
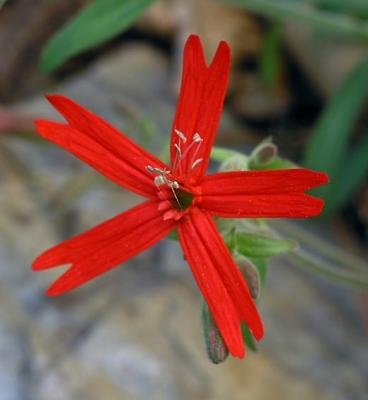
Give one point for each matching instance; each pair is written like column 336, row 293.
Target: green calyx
column 183, row 199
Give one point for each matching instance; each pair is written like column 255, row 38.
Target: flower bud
column 216, row 347
column 263, row 154
column 250, row 273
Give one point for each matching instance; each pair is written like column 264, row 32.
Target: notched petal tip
column 55, row 98
column 222, row 58
column 317, row 206
column 51, row 293
column 194, row 44
column 39, row 125
column 193, row 38
column 54, row 290
column 259, row 332
column 39, row 264
column 224, row 49
column 323, row 178
column 43, row 126
column 239, row 352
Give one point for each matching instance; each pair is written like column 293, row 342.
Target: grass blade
column 323, row 20
column 98, row 22
column 329, row 142
column 353, row 173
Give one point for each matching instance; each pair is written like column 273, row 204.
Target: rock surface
column 134, row 333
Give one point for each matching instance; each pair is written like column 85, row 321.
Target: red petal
column 105, row 246
column 99, row 144
column 200, row 104
column 219, row 279
column 268, row 194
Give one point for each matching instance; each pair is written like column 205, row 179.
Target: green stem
column 310, row 263
column 327, row 250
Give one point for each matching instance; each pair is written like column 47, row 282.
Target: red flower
column 178, row 197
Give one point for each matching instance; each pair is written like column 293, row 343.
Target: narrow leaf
column 270, row 61
column 248, row 338
column 251, row 245
column 353, row 173
column 345, row 276
column 358, row 7
column 326, row 21
column 328, row 146
column 98, row 22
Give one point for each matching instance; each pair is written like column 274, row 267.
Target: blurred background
column 299, row 74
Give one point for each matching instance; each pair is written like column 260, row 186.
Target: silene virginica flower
column 180, row 196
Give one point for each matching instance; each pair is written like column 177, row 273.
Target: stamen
column 178, row 149
column 196, row 163
column 181, row 135
column 197, row 138
column 159, row 180
column 154, row 170
column 181, row 155
column 174, row 185
column 162, row 179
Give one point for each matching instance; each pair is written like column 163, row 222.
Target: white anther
column 155, row 170
column 196, row 163
column 197, row 137
column 174, row 185
column 181, row 135
column 159, row 180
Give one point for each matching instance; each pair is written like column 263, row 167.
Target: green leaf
column 2, row 2
column 353, row 173
column 98, row 22
column 261, row 265
column 257, row 246
column 276, row 163
column 237, row 163
column 357, row 7
column 299, row 11
column 221, row 155
column 248, row 338
column 230, row 160
column 270, row 61
column 173, row 235
column 328, row 145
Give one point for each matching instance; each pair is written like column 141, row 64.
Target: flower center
column 185, row 199
column 174, row 199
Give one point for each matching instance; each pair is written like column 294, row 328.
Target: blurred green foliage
column 329, row 149
column 95, row 24
column 337, row 20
